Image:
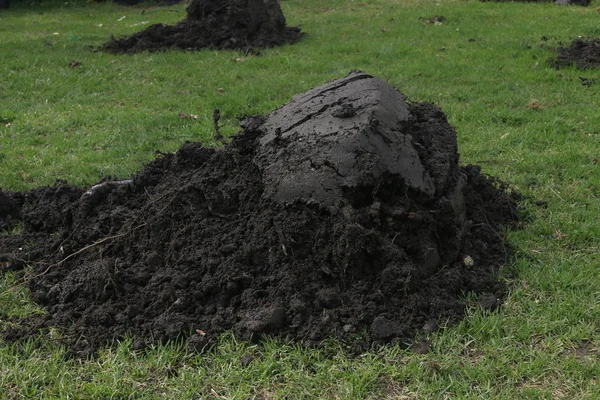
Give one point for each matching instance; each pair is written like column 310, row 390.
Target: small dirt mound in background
column 557, row 2
column 215, row 24
column 585, row 54
column 343, row 214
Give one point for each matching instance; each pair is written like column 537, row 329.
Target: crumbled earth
column 344, row 213
column 215, row 24
column 585, row 54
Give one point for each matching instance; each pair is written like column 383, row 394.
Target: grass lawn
column 484, row 65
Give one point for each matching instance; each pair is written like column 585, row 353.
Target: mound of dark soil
column 585, row 54
column 572, row 2
column 215, row 24
column 155, row 2
column 558, row 2
column 344, row 214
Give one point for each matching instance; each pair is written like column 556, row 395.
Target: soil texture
column 343, row 213
column 585, row 54
column 245, row 25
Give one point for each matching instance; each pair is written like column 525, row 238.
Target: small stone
column 468, row 261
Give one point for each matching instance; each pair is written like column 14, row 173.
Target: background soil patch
column 585, row 54
column 213, row 24
column 345, row 214
column 557, row 2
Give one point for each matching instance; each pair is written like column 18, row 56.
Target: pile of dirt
column 557, row 2
column 585, row 54
column 214, row 24
column 344, row 213
column 154, row 2
column 572, row 2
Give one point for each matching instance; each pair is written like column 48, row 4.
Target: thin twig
column 89, row 246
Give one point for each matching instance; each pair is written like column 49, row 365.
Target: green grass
column 533, row 126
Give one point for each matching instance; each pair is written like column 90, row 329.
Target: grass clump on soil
column 107, row 116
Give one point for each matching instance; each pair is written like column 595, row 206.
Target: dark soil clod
column 215, row 24
column 587, row 82
column 343, row 214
